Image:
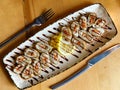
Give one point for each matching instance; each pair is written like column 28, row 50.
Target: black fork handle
column 28, row 27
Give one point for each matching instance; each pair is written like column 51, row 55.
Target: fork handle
column 16, row 35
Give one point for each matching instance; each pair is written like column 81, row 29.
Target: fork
column 37, row 22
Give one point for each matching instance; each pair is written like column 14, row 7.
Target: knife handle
column 88, row 66
column 71, row 77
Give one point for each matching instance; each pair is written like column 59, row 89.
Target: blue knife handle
column 71, row 77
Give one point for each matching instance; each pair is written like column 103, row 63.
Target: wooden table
column 15, row 14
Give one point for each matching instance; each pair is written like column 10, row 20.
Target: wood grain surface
column 15, row 14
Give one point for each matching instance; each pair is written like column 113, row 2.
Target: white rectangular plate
column 72, row 59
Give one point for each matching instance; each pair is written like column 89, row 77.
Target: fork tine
column 48, row 13
column 44, row 17
column 49, row 10
column 49, row 16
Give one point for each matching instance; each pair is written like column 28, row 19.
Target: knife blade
column 90, row 63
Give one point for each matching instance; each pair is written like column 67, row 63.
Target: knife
column 90, row 63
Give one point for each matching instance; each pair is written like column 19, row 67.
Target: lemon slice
column 63, row 48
